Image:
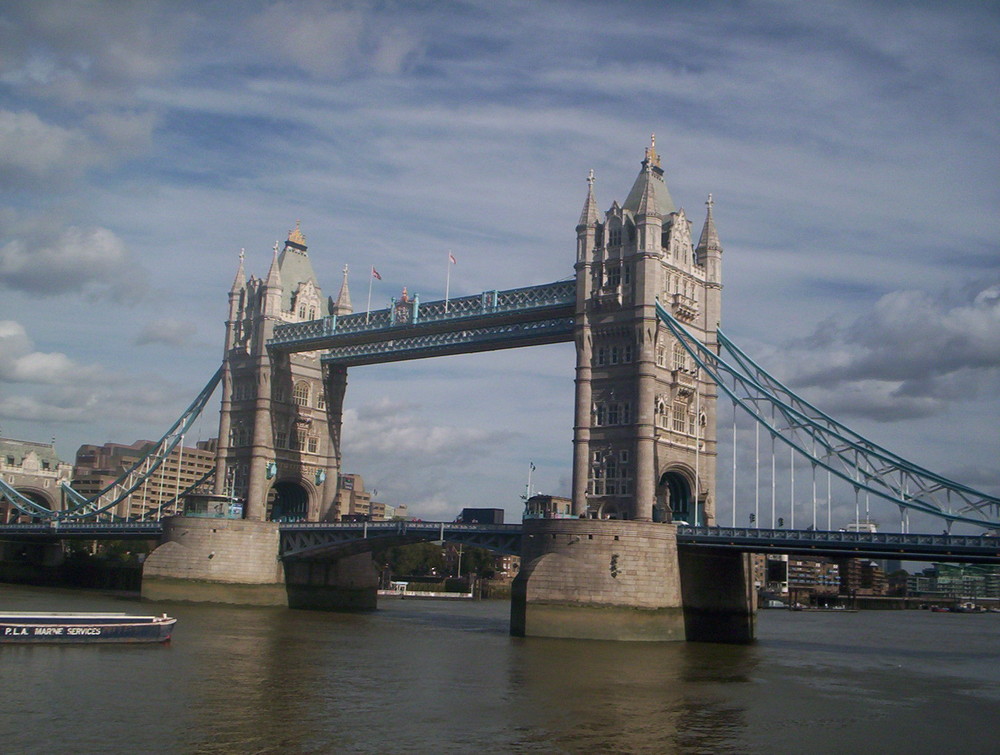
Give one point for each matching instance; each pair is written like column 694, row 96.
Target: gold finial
column 345, row 271
column 710, row 202
column 651, row 156
column 590, row 178
column 243, row 253
column 296, row 236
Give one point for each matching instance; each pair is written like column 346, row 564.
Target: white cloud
column 332, row 42
column 83, row 260
column 389, row 428
column 33, row 149
column 20, row 363
column 167, row 331
column 909, row 356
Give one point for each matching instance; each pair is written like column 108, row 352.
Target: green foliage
column 412, row 560
column 477, row 561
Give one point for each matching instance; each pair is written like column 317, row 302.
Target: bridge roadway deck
column 305, row 540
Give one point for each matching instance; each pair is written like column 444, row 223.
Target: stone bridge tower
column 279, row 427
column 644, row 442
column 644, row 438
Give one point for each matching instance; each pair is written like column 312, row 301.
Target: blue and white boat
column 22, row 627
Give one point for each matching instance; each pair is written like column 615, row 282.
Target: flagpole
column 447, row 282
column 368, row 310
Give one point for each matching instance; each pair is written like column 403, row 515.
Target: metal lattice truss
column 410, row 330
column 321, row 540
column 79, row 506
column 464, row 341
column 982, row 549
column 830, row 445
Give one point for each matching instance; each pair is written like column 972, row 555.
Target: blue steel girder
column 331, row 540
column 491, row 320
column 77, row 530
column 984, row 549
column 465, row 341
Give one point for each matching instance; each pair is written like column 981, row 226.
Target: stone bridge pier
column 237, row 561
column 627, row 580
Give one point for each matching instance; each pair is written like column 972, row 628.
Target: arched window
column 300, row 396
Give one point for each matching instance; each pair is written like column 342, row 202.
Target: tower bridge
column 643, row 557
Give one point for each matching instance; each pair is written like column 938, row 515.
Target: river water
column 444, row 677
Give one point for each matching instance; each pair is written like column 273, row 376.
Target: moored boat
column 55, row 627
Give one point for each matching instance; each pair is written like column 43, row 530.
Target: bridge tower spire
column 644, row 437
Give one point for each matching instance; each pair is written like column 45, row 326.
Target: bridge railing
column 58, row 528
column 398, row 526
column 836, row 536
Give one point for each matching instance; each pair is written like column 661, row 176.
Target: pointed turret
column 708, row 253
column 589, row 214
column 649, row 194
column 587, row 228
column 343, row 306
column 709, row 237
column 236, row 304
column 240, row 281
column 272, row 287
column 273, row 279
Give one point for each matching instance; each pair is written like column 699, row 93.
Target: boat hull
column 55, row 629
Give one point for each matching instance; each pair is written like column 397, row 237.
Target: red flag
column 452, row 258
column 375, row 274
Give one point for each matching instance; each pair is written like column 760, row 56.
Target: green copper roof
column 294, row 266
column 649, row 192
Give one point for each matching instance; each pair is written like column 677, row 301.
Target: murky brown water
column 422, row 677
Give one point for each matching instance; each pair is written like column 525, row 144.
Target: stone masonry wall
column 601, row 562
column 217, row 550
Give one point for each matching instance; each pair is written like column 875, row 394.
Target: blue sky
column 852, row 150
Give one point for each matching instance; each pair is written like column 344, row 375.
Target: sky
column 852, row 150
